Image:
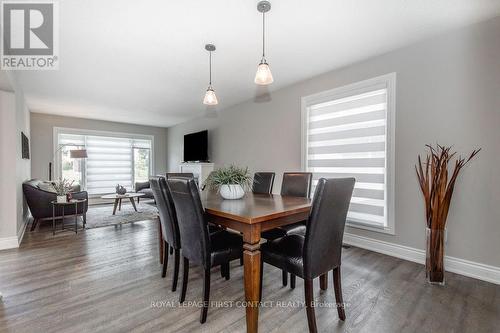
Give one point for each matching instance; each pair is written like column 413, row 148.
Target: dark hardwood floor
column 108, row 280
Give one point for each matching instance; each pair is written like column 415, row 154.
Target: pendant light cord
column 263, row 35
column 210, row 69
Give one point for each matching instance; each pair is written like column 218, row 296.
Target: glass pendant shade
column 263, row 75
column 210, row 97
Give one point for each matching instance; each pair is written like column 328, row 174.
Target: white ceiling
column 144, row 62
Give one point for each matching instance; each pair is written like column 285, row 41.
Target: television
column 196, row 147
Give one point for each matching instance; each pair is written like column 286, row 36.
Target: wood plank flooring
column 108, row 280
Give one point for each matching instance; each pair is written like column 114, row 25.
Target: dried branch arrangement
column 433, row 178
column 438, row 190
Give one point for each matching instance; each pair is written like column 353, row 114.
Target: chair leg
column 206, row 296
column 33, row 224
column 284, row 277
column 323, row 281
column 165, row 259
column 176, row 269
column 311, row 317
column 222, row 270
column 185, row 275
column 292, row 281
column 338, row 293
column 227, row 274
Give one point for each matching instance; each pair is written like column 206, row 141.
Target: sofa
column 39, row 201
column 145, row 188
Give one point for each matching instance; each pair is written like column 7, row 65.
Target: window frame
column 389, row 80
column 86, row 132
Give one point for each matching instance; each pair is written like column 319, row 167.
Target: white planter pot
column 231, row 192
column 61, row 198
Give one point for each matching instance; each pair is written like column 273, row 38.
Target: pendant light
column 210, row 98
column 263, row 75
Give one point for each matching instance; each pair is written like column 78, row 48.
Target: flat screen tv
column 196, row 147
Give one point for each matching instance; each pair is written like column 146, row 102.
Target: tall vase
column 434, row 260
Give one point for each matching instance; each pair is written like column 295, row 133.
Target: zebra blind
column 110, row 160
column 346, row 135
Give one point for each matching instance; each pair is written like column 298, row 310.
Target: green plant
column 63, row 186
column 231, row 175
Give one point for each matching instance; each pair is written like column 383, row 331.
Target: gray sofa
column 145, row 188
column 38, row 201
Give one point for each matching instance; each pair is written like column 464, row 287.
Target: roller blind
column 110, row 160
column 346, row 136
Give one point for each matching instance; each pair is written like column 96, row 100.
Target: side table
column 63, row 205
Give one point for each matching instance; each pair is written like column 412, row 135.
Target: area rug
column 102, row 215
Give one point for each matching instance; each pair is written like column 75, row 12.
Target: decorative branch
column 435, row 183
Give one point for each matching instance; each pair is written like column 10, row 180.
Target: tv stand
column 200, row 170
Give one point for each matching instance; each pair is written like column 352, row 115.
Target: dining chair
column 169, row 225
column 295, row 184
column 199, row 246
column 263, row 182
column 188, row 175
column 320, row 250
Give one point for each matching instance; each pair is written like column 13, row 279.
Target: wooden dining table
column 250, row 216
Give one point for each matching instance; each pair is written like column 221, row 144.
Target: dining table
column 250, row 216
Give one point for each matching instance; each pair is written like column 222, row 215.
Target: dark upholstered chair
column 199, row 247
column 295, row 184
column 38, row 201
column 263, row 182
column 169, row 225
column 319, row 251
column 188, row 175
column 144, row 187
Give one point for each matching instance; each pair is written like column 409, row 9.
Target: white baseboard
column 456, row 265
column 14, row 241
column 21, row 231
column 9, row 243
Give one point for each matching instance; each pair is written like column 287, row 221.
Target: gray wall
column 448, row 91
column 42, row 139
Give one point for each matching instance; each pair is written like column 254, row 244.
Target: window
column 349, row 132
column 112, row 159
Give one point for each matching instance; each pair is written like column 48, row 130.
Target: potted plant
column 62, row 188
column 230, row 182
column 437, row 190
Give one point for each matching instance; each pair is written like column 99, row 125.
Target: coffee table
column 118, row 199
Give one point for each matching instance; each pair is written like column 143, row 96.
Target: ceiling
column 144, row 62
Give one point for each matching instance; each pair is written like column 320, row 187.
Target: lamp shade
column 263, row 76
column 78, row 153
column 210, row 98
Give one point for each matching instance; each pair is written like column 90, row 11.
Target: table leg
column 62, row 224
column 120, row 204
column 251, row 260
column 133, row 203
column 115, row 205
column 76, row 217
column 53, row 220
column 160, row 241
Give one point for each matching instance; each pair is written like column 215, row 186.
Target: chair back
column 192, row 224
column 263, row 182
column 325, row 228
column 166, row 209
column 188, row 175
column 296, row 184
